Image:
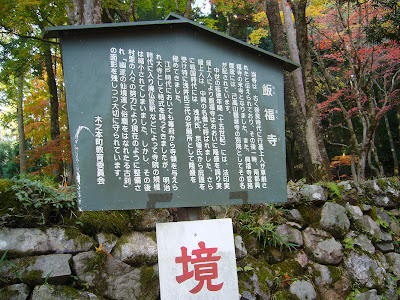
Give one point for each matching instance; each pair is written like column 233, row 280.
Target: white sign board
column 197, row 260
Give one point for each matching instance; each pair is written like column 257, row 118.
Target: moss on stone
column 95, row 265
column 311, row 215
column 78, row 237
column 33, row 277
column 290, row 267
column 251, row 266
column 148, row 283
column 142, row 260
column 7, row 293
column 97, row 262
column 282, row 295
column 12, row 212
column 335, row 272
column 117, row 222
column 383, row 184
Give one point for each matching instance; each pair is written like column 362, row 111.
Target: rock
column 354, row 211
column 383, row 215
column 147, row 219
column 293, row 194
column 15, row 292
column 259, row 292
column 322, row 246
column 107, row 240
column 303, row 290
column 368, row 225
column 251, row 244
column 240, row 248
column 364, row 270
column 246, row 295
column 346, row 185
column 370, row 295
column 323, row 275
column 366, row 207
column 383, row 201
column 60, row 292
column 220, row 211
column 395, row 228
column 391, row 289
column 334, row 219
column 313, row 193
column 290, row 235
column 372, row 186
column 31, row 241
column 385, row 247
column 342, row 283
column 301, row 257
column 35, row 269
column 393, row 260
column 136, row 247
column 115, row 279
column 362, row 241
column 295, row 216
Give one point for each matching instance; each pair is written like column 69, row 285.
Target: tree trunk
column 84, row 12
column 314, row 136
column 51, row 82
column 54, row 116
column 21, row 128
column 294, row 53
column 392, row 147
column 188, row 9
column 304, row 130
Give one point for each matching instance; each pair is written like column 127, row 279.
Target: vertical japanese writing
column 134, row 111
column 171, row 129
column 155, row 145
column 99, row 142
column 115, row 111
column 124, row 120
column 148, row 90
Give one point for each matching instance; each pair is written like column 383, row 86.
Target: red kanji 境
column 205, row 267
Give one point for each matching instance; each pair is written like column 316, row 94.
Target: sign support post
column 189, row 213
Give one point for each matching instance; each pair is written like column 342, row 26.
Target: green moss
column 12, row 212
column 260, row 268
column 95, row 265
column 97, row 262
column 336, row 273
column 148, row 283
column 33, row 277
column 117, row 222
column 310, row 213
column 373, row 214
column 382, row 184
column 289, row 266
column 78, row 237
column 152, row 235
column 142, row 260
column 282, row 295
column 6, row 293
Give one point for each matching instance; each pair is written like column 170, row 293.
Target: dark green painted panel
column 144, row 134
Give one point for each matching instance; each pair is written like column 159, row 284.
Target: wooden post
column 189, row 213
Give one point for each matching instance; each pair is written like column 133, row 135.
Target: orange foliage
column 342, row 160
column 37, row 127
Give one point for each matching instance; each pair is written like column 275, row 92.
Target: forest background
column 342, row 106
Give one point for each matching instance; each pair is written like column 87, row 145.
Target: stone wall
column 326, row 242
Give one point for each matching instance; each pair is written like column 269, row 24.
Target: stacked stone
column 347, row 245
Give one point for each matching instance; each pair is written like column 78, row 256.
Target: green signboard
column 171, row 114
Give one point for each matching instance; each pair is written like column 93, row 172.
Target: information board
column 173, row 118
